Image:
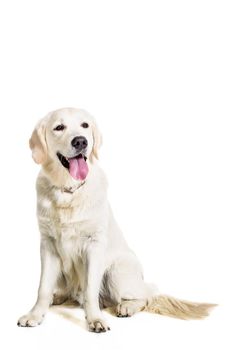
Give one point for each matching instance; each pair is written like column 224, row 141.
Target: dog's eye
column 85, row 125
column 59, row 127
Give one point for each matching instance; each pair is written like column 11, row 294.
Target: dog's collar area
column 72, row 189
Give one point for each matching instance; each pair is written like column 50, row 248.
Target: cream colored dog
column 84, row 256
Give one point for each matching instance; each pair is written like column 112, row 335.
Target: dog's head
column 66, row 139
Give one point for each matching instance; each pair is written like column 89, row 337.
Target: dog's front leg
column 93, row 276
column 50, row 269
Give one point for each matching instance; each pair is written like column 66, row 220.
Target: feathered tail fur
column 186, row 310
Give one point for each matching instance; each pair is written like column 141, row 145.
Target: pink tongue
column 78, row 168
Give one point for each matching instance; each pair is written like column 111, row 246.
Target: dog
column 84, row 256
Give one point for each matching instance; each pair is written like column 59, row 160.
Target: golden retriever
column 84, row 256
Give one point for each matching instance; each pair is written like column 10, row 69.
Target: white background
column 158, row 77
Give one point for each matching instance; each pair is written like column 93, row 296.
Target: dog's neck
column 72, row 189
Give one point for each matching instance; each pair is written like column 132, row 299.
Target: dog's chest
column 71, row 232
column 68, row 222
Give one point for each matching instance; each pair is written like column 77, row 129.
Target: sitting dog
column 84, row 256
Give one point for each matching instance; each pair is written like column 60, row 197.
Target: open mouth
column 76, row 166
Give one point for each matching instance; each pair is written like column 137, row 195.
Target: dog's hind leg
column 126, row 288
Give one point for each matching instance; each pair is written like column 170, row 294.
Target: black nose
column 79, row 142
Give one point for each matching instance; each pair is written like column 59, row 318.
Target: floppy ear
column 97, row 140
column 37, row 143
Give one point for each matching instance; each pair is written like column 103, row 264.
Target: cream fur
column 84, row 256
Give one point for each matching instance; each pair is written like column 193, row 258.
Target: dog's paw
column 30, row 320
column 98, row 326
column 125, row 309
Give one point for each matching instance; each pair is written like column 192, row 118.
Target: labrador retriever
column 84, row 256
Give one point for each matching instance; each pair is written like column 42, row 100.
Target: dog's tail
column 186, row 310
